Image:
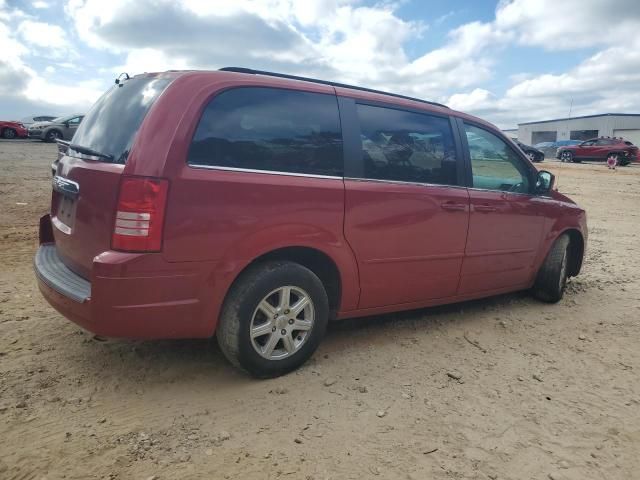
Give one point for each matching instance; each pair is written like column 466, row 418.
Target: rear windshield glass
column 111, row 125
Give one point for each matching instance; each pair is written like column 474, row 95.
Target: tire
column 566, row 156
column 620, row 160
column 52, row 136
column 9, row 133
column 241, row 313
column 552, row 277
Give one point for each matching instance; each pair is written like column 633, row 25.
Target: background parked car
column 533, row 153
column 27, row 121
column 61, row 128
column 11, row 129
column 551, row 148
column 601, row 148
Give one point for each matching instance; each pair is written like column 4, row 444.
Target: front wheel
column 566, row 156
column 552, row 276
column 273, row 318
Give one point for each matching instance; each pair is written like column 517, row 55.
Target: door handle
column 484, row 208
column 454, row 207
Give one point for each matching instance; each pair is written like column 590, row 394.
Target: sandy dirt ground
column 542, row 391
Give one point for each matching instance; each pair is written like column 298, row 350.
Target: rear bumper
column 21, row 132
column 35, row 134
column 129, row 295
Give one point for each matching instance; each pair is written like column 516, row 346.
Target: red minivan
column 258, row 206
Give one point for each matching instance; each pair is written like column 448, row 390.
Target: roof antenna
column 126, row 77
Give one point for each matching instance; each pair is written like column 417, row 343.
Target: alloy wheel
column 282, row 322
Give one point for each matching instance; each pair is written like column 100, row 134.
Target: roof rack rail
column 325, row 82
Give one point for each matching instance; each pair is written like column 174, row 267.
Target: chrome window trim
column 401, row 182
column 441, row 185
column 357, row 179
column 270, row 172
column 502, row 191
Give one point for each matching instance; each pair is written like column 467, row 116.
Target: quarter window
column 406, row 146
column 270, row 129
column 494, row 164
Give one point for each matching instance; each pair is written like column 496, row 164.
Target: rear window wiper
column 90, row 151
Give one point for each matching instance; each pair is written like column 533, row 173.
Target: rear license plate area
column 66, row 213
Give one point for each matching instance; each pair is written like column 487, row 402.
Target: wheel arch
column 315, row 260
column 576, row 251
column 46, row 133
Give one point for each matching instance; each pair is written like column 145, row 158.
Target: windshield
column 113, row 121
column 60, row 119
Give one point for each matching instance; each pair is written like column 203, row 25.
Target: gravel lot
column 503, row 388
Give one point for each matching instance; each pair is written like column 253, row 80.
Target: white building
column 626, row 125
column 512, row 133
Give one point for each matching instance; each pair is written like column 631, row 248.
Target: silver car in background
column 61, row 128
column 28, row 121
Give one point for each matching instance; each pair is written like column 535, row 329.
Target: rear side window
column 113, row 121
column 406, row 146
column 270, row 129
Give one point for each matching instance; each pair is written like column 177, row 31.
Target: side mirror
column 545, row 182
column 66, row 124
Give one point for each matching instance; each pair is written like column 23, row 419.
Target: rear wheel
column 552, row 276
column 619, row 159
column 9, row 133
column 273, row 319
column 566, row 156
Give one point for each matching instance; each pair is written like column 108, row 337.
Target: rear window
column 270, row 129
column 113, row 121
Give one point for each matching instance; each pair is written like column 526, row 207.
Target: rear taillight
column 140, row 214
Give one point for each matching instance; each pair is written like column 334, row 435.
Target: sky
column 508, row 61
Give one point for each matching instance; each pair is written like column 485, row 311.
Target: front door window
column 494, row 164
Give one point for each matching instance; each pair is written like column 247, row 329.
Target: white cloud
column 42, row 34
column 604, row 82
column 347, row 41
column 568, row 24
column 77, row 94
column 40, row 4
column 23, row 90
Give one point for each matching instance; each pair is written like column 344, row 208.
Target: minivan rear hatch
column 87, row 176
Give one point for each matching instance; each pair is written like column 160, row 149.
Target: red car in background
column 11, row 129
column 601, row 148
